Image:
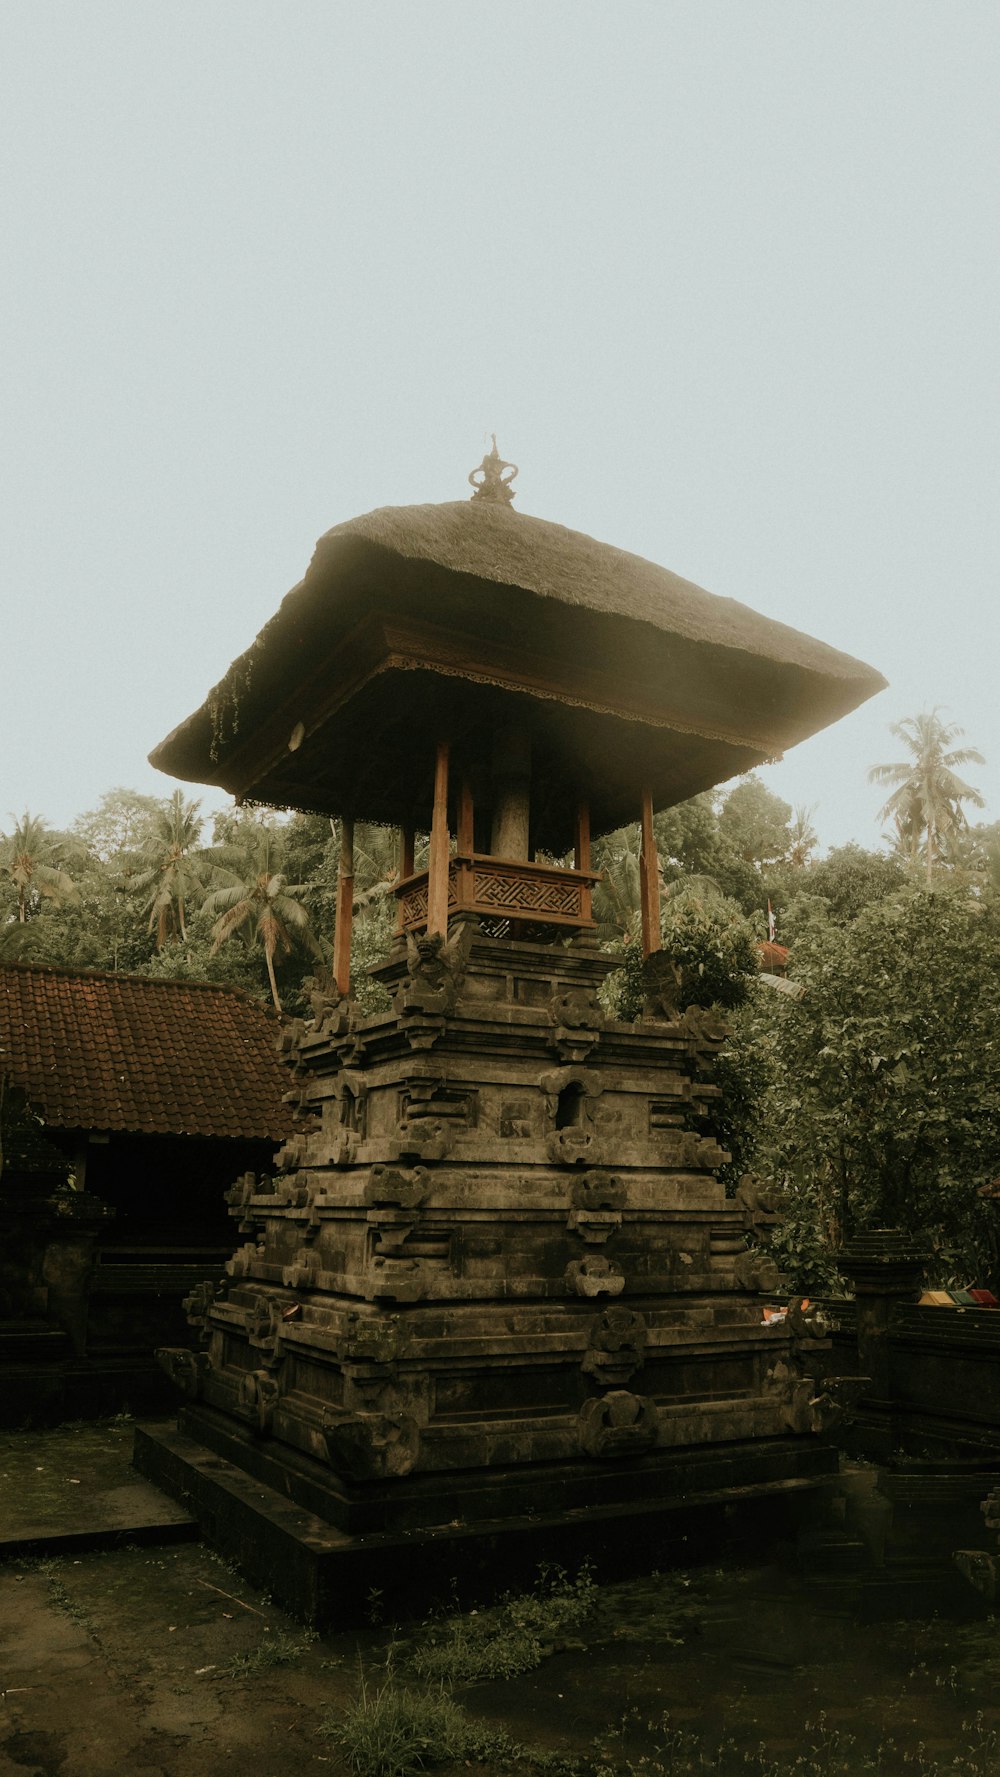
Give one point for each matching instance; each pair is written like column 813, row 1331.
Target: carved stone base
column 476, row 1536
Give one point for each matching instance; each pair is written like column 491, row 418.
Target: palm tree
column 259, row 903
column 172, row 867
column 926, row 802
column 31, row 857
column 803, row 837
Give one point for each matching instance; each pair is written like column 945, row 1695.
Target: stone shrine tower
column 495, row 1277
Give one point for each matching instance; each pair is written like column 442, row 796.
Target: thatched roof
column 497, row 544
column 416, row 622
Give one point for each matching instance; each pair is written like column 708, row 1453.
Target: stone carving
column 757, row 1271
column 401, row 1187
column 376, row 1339
column 661, row 979
column 809, row 1406
column 616, row 1348
column 421, row 1138
column 578, row 1022
column 595, row 1226
column 594, row 1276
column 263, row 1326
column 303, row 1272
column 598, row 1190
column 435, row 972
column 617, row 1424
column 372, row 1446
column 569, row 1147
column 293, row 1190
column 198, row 1306
column 258, row 1396
column 759, row 1203
column 244, row 1258
column 576, row 1009
column 185, row 1368
column 331, row 1010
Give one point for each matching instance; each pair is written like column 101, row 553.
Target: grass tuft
column 512, row 1637
column 279, row 1649
column 391, row 1730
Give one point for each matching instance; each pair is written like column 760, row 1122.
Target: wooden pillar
column 512, row 792
column 345, row 908
column 581, row 853
column 466, row 824
column 437, row 872
column 649, row 881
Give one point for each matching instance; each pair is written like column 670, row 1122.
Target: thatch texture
column 417, row 623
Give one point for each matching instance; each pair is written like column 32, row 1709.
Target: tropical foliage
column 925, row 807
column 873, row 1098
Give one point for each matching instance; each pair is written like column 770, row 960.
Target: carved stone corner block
column 594, row 1226
column 573, row 1046
column 263, row 1329
column 289, row 1040
column 198, row 1305
column 240, row 1192
column 598, row 1190
column 594, row 1276
column 421, row 1138
column 569, row 1147
column 244, row 1258
column 293, row 1154
column 375, row 1339
column 705, row 1030
column 401, row 1187
column 372, row 1446
column 186, row 1369
column 617, row 1347
column 617, row 1424
column 393, row 1228
column 794, row 1393
column 292, row 1191
column 303, row 1272
column 756, row 1271
column 759, row 1203
column 257, row 1397
column 401, row 1280
column 577, row 1008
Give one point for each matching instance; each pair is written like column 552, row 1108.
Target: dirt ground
column 158, row 1661
column 161, row 1663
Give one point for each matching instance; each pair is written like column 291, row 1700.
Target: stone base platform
column 674, row 1508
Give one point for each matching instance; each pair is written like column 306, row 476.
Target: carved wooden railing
column 502, row 890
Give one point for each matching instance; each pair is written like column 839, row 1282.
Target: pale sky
column 722, row 275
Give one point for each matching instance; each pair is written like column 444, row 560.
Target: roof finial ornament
column 495, row 485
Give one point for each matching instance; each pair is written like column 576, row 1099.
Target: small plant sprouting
column 279, row 1649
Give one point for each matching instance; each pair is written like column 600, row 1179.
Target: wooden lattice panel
column 540, row 893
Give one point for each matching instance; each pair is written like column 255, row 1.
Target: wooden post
column 581, row 854
column 437, row 871
column 649, row 881
column 345, row 907
column 466, row 823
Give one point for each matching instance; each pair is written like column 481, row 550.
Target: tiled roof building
column 122, row 1052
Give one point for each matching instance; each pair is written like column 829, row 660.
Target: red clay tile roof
column 96, row 1051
